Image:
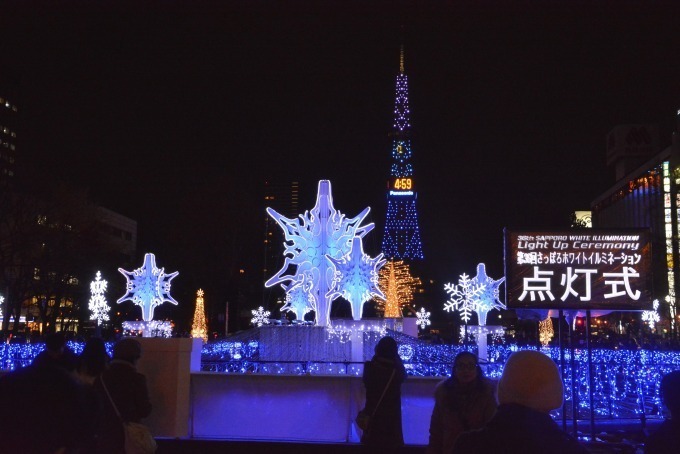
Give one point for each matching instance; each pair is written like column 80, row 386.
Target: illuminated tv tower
column 402, row 236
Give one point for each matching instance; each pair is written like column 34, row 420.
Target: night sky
column 174, row 115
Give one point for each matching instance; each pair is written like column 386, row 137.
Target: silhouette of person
column 528, row 390
column 666, row 439
column 92, row 361
column 91, row 364
column 56, row 353
column 129, row 393
column 45, row 409
column 384, row 374
column 466, row 401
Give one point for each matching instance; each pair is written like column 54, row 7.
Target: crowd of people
column 68, row 404
column 473, row 415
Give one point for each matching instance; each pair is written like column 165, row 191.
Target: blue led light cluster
column 15, row 356
column 625, row 382
column 402, row 235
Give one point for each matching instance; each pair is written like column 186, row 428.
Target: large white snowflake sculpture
column 487, row 299
column 260, row 317
column 356, row 277
column 298, row 300
column 148, row 287
column 311, row 241
column 98, row 306
column 652, row 317
column 423, row 318
column 463, row 297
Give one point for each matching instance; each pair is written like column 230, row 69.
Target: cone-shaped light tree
column 199, row 328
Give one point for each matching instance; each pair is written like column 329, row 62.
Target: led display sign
column 578, row 269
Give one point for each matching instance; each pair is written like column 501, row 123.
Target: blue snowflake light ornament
column 148, row 286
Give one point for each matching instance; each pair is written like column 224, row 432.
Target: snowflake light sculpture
column 148, row 286
column 260, row 317
column 487, row 299
column 299, row 300
column 423, row 318
column 199, row 328
column 463, row 296
column 652, row 317
column 98, row 306
column 356, row 277
column 398, row 285
column 311, row 241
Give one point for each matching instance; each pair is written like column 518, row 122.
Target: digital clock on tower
column 402, row 184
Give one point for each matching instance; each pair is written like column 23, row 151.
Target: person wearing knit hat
column 531, row 379
column 529, row 388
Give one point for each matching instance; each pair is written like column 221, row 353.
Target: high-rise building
column 284, row 198
column 647, row 196
column 9, row 113
column 401, row 239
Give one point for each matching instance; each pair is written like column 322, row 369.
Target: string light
column 152, row 328
column 312, row 240
column 148, row 286
column 398, row 286
column 423, row 318
column 260, row 317
column 479, row 294
column 545, row 331
column 356, row 277
column 401, row 239
column 626, row 382
column 98, row 306
column 199, row 327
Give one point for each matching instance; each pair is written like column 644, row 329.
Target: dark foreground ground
column 623, row 438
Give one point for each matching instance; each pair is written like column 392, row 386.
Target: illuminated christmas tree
column 199, row 328
column 545, row 331
column 398, row 286
column 98, row 306
column 402, row 236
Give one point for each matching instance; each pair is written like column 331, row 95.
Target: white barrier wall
column 297, row 407
column 167, row 364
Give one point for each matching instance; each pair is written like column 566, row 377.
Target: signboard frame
column 598, row 269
